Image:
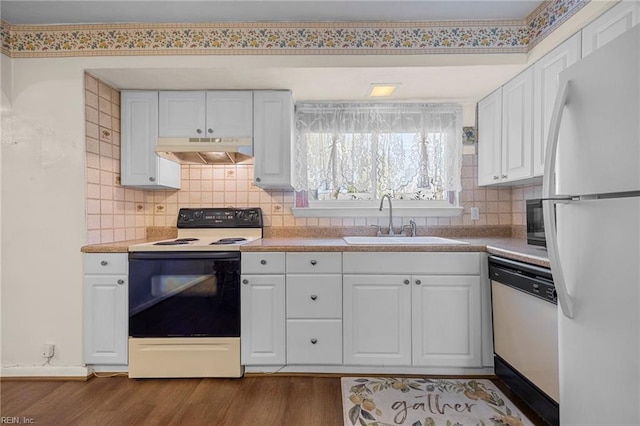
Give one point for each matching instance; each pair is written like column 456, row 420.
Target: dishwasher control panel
column 530, row 279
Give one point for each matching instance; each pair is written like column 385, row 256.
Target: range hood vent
column 207, row 150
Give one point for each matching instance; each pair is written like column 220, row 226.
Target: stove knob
column 198, row 214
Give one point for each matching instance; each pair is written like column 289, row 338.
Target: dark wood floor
column 253, row 400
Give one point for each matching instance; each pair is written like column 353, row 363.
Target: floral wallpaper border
column 326, row 38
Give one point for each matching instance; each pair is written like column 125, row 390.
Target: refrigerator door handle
column 550, row 200
column 564, row 298
column 549, row 176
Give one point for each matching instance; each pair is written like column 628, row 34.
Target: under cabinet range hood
column 228, row 150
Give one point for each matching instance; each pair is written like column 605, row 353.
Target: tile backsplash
column 117, row 213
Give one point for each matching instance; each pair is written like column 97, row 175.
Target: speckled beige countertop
column 511, row 248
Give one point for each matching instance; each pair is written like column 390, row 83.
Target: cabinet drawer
column 262, row 263
column 313, row 262
column 314, row 342
column 314, row 296
column 103, row 263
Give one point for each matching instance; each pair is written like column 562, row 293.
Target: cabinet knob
column 406, row 281
column 258, row 180
column 245, row 281
column 418, row 282
column 313, row 262
column 152, row 179
column 314, row 341
column 104, row 262
column 198, row 131
column 504, row 176
column 263, row 262
column 120, row 282
column 210, row 130
column 496, row 177
column 314, row 296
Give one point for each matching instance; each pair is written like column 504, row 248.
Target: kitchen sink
column 401, row 241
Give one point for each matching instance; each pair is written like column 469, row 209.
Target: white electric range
column 210, row 229
column 184, row 296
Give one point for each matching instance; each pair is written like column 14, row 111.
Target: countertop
column 511, row 248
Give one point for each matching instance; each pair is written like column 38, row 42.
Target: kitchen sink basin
column 401, row 241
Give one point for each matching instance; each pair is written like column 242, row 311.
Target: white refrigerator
column 592, row 227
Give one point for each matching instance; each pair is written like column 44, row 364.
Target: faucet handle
column 414, row 228
column 379, row 228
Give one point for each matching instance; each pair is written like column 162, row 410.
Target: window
column 350, row 155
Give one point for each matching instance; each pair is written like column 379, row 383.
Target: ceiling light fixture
column 382, row 89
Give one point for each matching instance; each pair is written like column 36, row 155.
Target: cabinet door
column 229, row 114
column 105, row 319
column 263, row 325
column 489, row 138
column 517, row 128
column 546, row 72
column 609, row 25
column 446, row 321
column 182, row 114
column 139, row 163
column 273, row 136
column 377, row 320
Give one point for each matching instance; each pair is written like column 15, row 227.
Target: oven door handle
column 144, row 255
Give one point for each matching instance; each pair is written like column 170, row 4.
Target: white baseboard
column 70, row 371
column 352, row 369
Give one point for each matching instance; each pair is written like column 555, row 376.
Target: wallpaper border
column 290, row 38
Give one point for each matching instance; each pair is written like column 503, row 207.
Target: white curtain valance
column 409, row 150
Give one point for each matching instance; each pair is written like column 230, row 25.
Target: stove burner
column 227, row 241
column 179, row 241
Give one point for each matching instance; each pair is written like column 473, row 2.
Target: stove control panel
column 212, row 217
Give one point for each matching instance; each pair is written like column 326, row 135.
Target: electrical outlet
column 47, row 350
column 475, row 213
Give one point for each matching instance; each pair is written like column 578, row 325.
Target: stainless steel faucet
column 388, row 197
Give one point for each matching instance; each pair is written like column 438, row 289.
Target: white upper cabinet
column 517, row 126
column 200, row 114
column 505, row 137
column 546, row 72
column 273, row 137
column 140, row 165
column 610, row 25
column 489, row 138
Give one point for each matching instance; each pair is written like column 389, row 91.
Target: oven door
column 184, row 294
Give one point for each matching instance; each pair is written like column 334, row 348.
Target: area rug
column 386, row 401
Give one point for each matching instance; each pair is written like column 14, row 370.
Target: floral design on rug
column 386, row 401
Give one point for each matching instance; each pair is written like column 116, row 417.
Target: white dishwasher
column 525, row 333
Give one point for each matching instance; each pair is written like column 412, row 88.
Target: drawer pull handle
column 314, row 341
column 418, row 282
column 245, row 281
column 104, row 263
column 314, row 297
column 407, row 281
column 263, row 262
column 313, row 262
column 120, row 282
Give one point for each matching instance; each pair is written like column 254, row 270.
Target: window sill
column 345, row 211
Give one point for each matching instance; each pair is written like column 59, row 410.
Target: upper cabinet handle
column 418, row 282
column 314, row 297
column 198, row 131
column 313, row 262
column 210, row 130
column 263, row 262
column 104, row 262
column 407, row 281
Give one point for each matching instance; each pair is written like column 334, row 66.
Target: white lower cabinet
column 363, row 309
column 314, row 308
column 262, row 300
column 429, row 318
column 105, row 333
column 446, row 326
column 377, row 320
